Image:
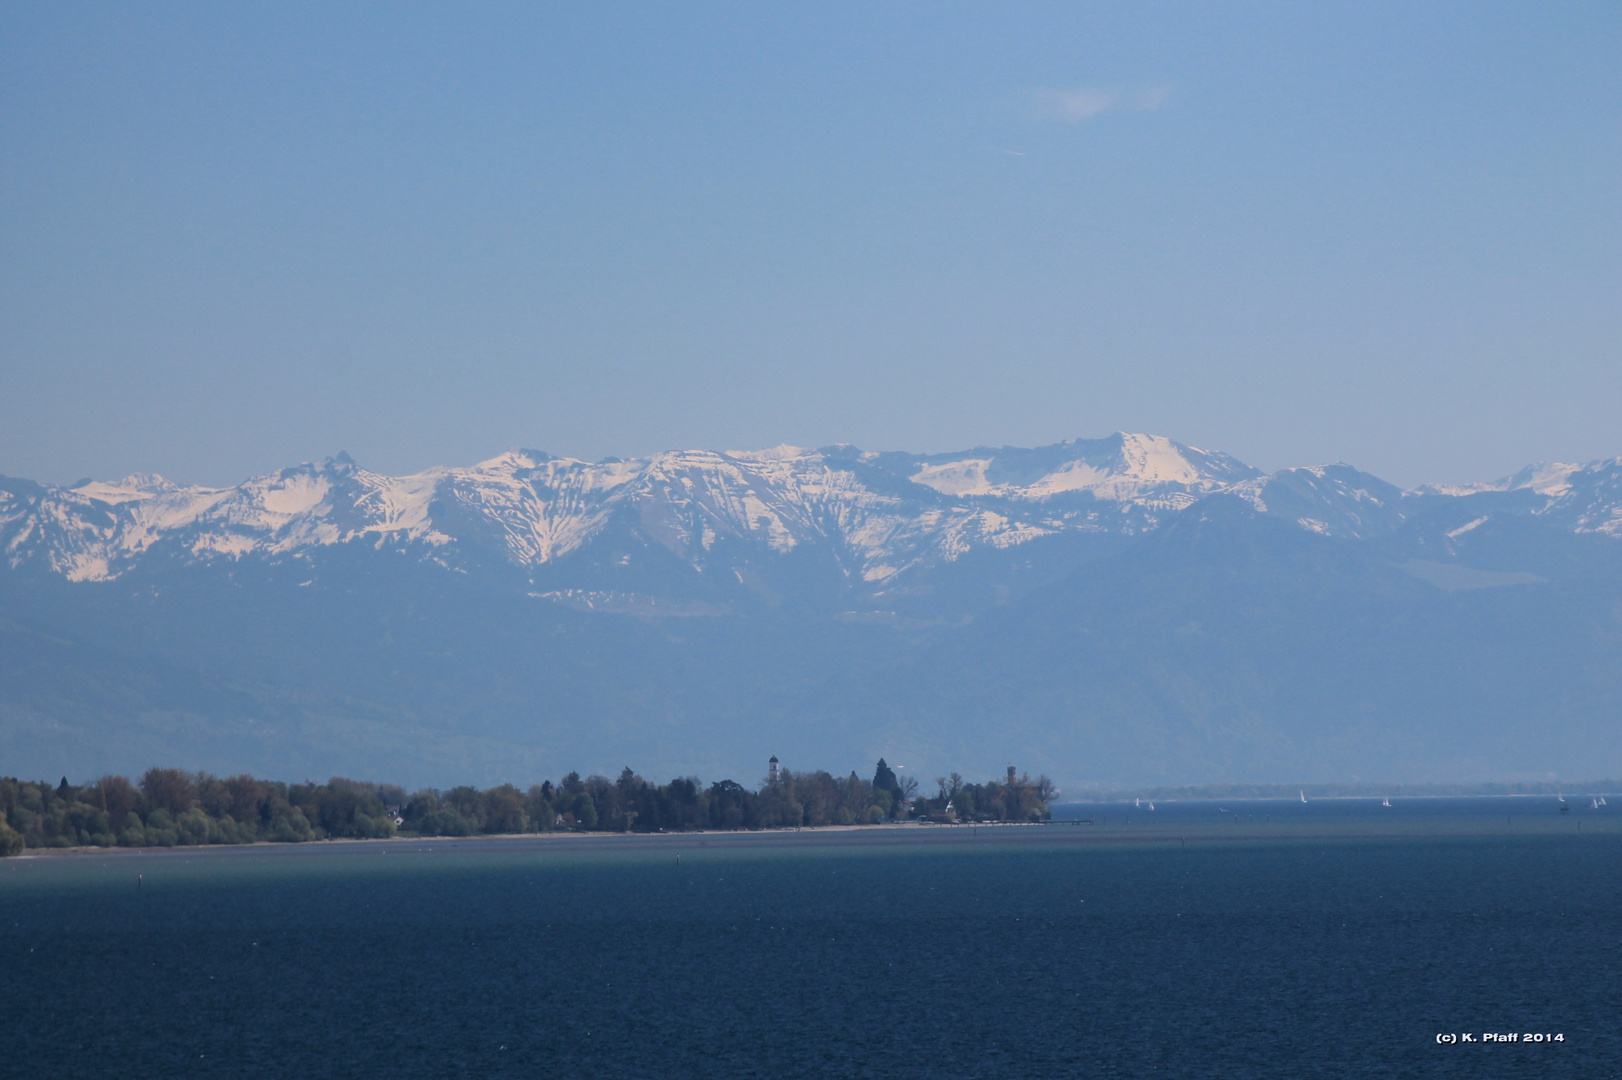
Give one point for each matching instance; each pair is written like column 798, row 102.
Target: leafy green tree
column 731, row 805
column 169, row 790
column 367, row 827
column 466, row 801
column 777, row 806
column 882, row 802
column 502, row 810
column 966, row 803
column 84, row 819
column 246, row 799
column 292, row 827
column 419, row 806
column 538, row 808
column 11, row 841
column 192, row 826
column 227, row 830
column 160, row 829
column 447, row 822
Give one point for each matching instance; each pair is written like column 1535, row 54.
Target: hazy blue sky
column 237, row 237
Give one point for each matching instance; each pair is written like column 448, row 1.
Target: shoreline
column 1144, row 830
column 555, row 835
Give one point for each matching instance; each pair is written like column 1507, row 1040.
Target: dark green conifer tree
column 884, row 779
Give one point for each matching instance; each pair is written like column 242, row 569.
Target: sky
column 237, row 237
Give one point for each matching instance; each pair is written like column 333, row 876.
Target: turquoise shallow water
column 1329, row 940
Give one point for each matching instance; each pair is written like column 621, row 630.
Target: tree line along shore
column 171, row 807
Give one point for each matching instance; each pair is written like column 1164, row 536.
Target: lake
column 1336, row 938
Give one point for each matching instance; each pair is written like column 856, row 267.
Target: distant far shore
column 1348, row 791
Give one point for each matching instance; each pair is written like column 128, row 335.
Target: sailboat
column 1593, row 804
column 1303, row 796
column 1151, row 804
column 1387, row 801
column 1137, row 802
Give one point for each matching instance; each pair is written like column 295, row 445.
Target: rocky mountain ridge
column 879, row 519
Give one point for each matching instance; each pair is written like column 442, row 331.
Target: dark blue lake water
column 1330, row 940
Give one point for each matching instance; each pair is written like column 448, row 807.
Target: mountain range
column 1119, row 610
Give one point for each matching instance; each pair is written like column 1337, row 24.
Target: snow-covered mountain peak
column 515, row 459
column 133, row 487
column 1155, row 459
column 783, row 452
column 1331, row 500
column 1545, row 478
column 1586, row 498
column 292, row 491
column 1121, row 467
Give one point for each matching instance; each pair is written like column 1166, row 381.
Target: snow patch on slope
column 966, row 477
